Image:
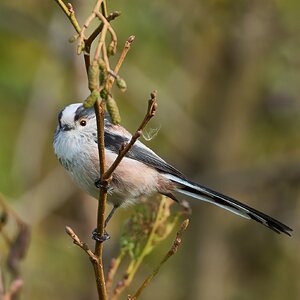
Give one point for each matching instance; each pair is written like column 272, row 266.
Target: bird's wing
column 139, row 152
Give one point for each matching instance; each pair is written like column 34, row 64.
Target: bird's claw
column 98, row 183
column 106, row 185
column 100, row 238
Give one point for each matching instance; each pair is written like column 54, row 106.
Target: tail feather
column 205, row 194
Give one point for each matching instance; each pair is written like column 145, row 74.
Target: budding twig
column 120, row 61
column 95, row 260
column 99, row 273
column 88, row 42
column 80, row 244
column 69, row 11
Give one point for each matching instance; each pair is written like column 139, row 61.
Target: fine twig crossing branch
column 152, row 106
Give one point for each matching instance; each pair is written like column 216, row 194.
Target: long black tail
column 205, row 194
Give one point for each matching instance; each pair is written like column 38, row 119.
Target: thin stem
column 121, row 59
column 79, row 243
column 101, row 42
column 124, row 53
column 96, row 32
column 152, row 105
column 69, row 12
column 100, row 279
column 88, row 42
column 91, row 17
column 95, row 260
column 105, row 57
column 104, row 9
column 170, row 253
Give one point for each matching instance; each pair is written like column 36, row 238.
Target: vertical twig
column 99, row 110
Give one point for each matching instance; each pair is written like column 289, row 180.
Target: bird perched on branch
column 140, row 173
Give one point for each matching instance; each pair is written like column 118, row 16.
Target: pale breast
column 131, row 179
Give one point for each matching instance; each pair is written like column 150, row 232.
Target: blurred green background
column 227, row 75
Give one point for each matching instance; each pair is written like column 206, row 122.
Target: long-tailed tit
column 140, row 173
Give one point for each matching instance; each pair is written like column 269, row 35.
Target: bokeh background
column 227, row 74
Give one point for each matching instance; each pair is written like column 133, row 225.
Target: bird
column 140, row 173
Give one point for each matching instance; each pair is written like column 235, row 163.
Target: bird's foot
column 99, row 184
column 100, row 238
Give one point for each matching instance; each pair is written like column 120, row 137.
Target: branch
column 152, row 106
column 124, row 53
column 85, row 44
column 99, row 273
column 96, row 32
column 101, row 43
column 88, row 42
column 120, row 61
column 80, row 244
column 100, row 110
column 91, row 17
column 70, row 13
column 95, row 260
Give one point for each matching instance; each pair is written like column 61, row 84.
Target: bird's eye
column 82, row 122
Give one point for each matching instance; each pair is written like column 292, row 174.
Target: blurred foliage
column 149, row 225
column 227, row 77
